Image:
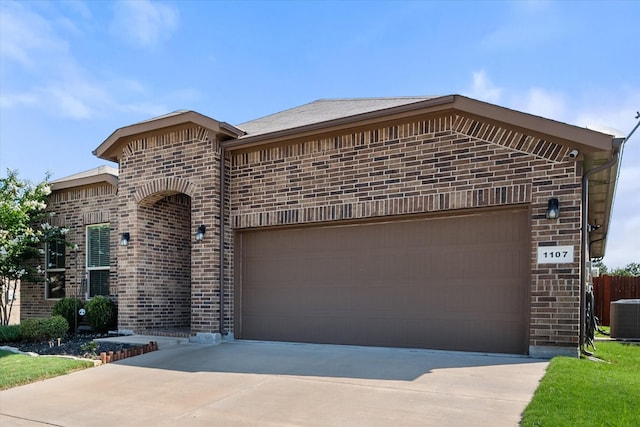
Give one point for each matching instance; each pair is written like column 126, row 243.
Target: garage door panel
column 450, row 283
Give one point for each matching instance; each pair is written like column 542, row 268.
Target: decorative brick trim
column 192, row 133
column 154, row 191
column 96, row 217
column 485, row 197
column 462, row 125
column 59, row 220
column 81, row 193
column 356, row 139
column 517, row 141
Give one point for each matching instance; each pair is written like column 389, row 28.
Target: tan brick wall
column 153, row 169
column 169, row 184
column 75, row 209
column 433, row 165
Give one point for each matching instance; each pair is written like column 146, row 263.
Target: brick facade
column 153, row 170
column 75, row 208
column 169, row 184
column 434, row 165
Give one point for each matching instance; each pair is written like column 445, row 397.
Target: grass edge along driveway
column 19, row 369
column 583, row 392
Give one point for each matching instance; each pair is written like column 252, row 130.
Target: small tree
column 631, row 269
column 23, row 230
column 600, row 265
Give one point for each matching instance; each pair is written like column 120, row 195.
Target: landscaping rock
column 72, row 345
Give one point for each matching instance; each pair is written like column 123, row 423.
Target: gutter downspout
column 222, row 216
column 618, row 145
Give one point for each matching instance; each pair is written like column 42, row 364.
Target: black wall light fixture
column 200, row 232
column 553, row 209
column 124, row 239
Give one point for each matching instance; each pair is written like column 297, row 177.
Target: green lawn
column 578, row 392
column 605, row 329
column 18, row 369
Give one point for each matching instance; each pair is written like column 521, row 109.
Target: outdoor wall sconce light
column 553, row 210
column 200, row 232
column 124, row 239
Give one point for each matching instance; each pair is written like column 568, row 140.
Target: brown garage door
column 457, row 283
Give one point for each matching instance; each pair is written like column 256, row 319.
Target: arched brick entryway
column 164, row 263
column 169, row 185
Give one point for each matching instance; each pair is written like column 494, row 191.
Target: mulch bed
column 72, row 345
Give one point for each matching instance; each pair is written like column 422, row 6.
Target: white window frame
column 53, row 270
column 91, row 268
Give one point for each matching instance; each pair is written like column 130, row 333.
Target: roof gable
column 111, row 148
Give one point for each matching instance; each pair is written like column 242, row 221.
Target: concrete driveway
column 247, row 383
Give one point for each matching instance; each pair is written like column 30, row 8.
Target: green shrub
column 68, row 308
column 31, row 330
column 102, row 313
column 55, row 327
column 10, row 333
column 90, row 348
column 47, row 328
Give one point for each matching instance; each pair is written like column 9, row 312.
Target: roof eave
column 339, row 123
column 87, row 180
column 586, row 139
column 601, row 197
column 109, row 149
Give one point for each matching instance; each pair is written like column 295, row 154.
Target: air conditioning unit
column 625, row 319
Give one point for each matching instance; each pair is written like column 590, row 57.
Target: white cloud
column 522, row 29
column 46, row 76
column 56, row 100
column 39, row 61
column 483, row 89
column 615, row 110
column 535, row 100
column 541, row 102
column 144, row 108
column 629, row 189
column 72, row 103
column 622, row 243
column 623, row 239
column 79, row 7
column 69, row 25
column 144, row 23
column 11, row 100
column 25, row 35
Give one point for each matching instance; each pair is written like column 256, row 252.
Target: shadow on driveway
column 248, row 383
column 317, row 360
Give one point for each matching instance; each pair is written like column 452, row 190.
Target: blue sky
column 72, row 72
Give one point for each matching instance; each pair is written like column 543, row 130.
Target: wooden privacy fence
column 612, row 288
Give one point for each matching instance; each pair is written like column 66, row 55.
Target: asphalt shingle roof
column 323, row 110
column 105, row 169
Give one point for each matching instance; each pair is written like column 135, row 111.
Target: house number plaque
column 555, row 254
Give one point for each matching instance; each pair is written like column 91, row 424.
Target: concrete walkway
column 248, row 383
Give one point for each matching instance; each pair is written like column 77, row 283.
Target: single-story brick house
column 430, row 222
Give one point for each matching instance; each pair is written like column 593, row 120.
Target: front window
column 55, row 269
column 98, row 259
